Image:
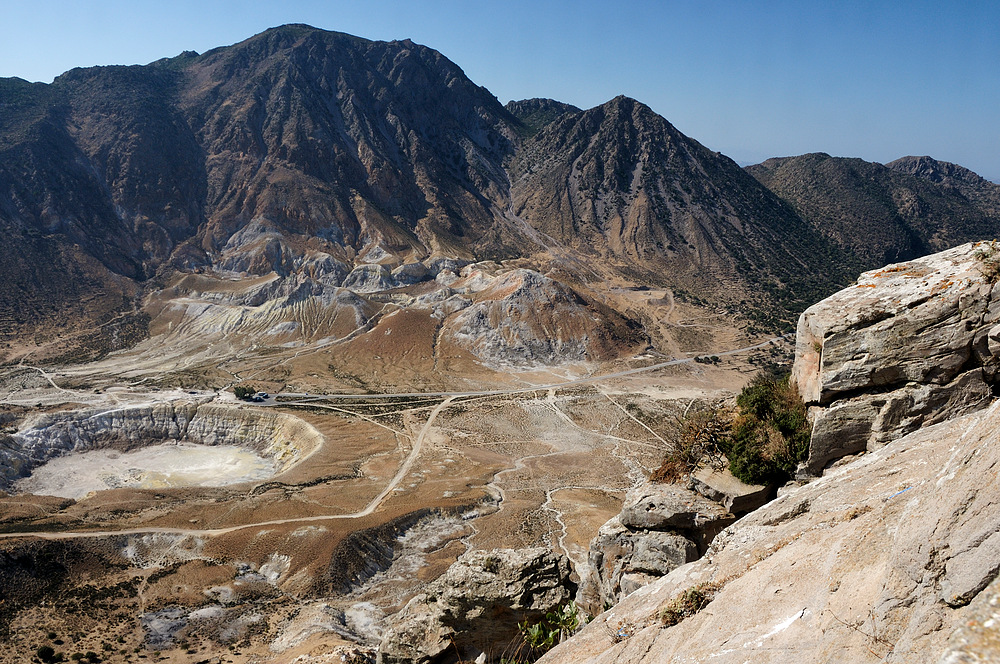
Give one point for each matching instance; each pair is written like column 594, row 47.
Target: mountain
column 621, row 184
column 301, row 139
column 979, row 190
column 327, row 161
column 885, row 213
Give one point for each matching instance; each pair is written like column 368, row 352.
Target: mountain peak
column 941, row 172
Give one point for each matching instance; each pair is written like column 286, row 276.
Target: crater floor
column 166, row 465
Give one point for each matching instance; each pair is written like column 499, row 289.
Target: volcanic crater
column 159, row 445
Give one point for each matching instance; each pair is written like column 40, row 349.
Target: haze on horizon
column 752, row 80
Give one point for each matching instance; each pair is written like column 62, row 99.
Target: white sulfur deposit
column 160, row 466
column 71, row 454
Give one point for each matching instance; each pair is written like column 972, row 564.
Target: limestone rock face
column 660, row 528
column 906, row 346
column 475, row 606
column 622, row 560
column 888, row 558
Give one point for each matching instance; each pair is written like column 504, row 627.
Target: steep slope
column 889, row 557
column 979, row 190
column 368, row 144
column 879, row 213
column 67, row 260
column 310, row 154
column 297, row 146
column 620, row 183
column 522, row 318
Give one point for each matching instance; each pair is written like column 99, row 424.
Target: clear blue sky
column 870, row 79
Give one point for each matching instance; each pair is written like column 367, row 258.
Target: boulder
column 906, row 346
column 731, row 493
column 475, row 607
column 660, row 528
column 622, row 559
column 657, row 506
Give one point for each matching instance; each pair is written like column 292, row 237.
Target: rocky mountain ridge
column 885, row 213
column 308, row 154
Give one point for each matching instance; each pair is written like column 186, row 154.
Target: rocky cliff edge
column 892, row 556
column 908, row 345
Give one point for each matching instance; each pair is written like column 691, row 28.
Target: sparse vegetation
column 540, row 637
column 699, row 440
column 988, row 257
column 491, row 564
column 763, row 441
column 688, row 603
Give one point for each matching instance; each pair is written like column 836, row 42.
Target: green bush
column 244, row 391
column 770, row 434
column 542, row 636
column 763, row 441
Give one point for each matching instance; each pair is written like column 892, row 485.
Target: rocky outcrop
column 522, row 318
column 282, row 438
column 908, row 345
column 369, row 279
column 661, row 527
column 476, row 605
column 721, row 486
column 887, row 558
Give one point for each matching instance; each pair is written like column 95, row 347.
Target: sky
column 871, row 79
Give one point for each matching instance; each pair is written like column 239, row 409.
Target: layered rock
column 887, row 558
column 660, row 528
column 908, row 345
column 523, row 318
column 283, row 438
column 476, row 605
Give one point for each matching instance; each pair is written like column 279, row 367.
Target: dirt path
column 404, row 469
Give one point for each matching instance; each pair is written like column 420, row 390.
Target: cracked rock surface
column 476, row 606
column 889, row 558
column 908, row 345
column 660, row 528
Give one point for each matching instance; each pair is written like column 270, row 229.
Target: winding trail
column 405, row 467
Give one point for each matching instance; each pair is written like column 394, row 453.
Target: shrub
column 542, row 636
column 699, row 439
column 763, row 443
column 770, row 434
column 688, row 603
column 244, row 391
